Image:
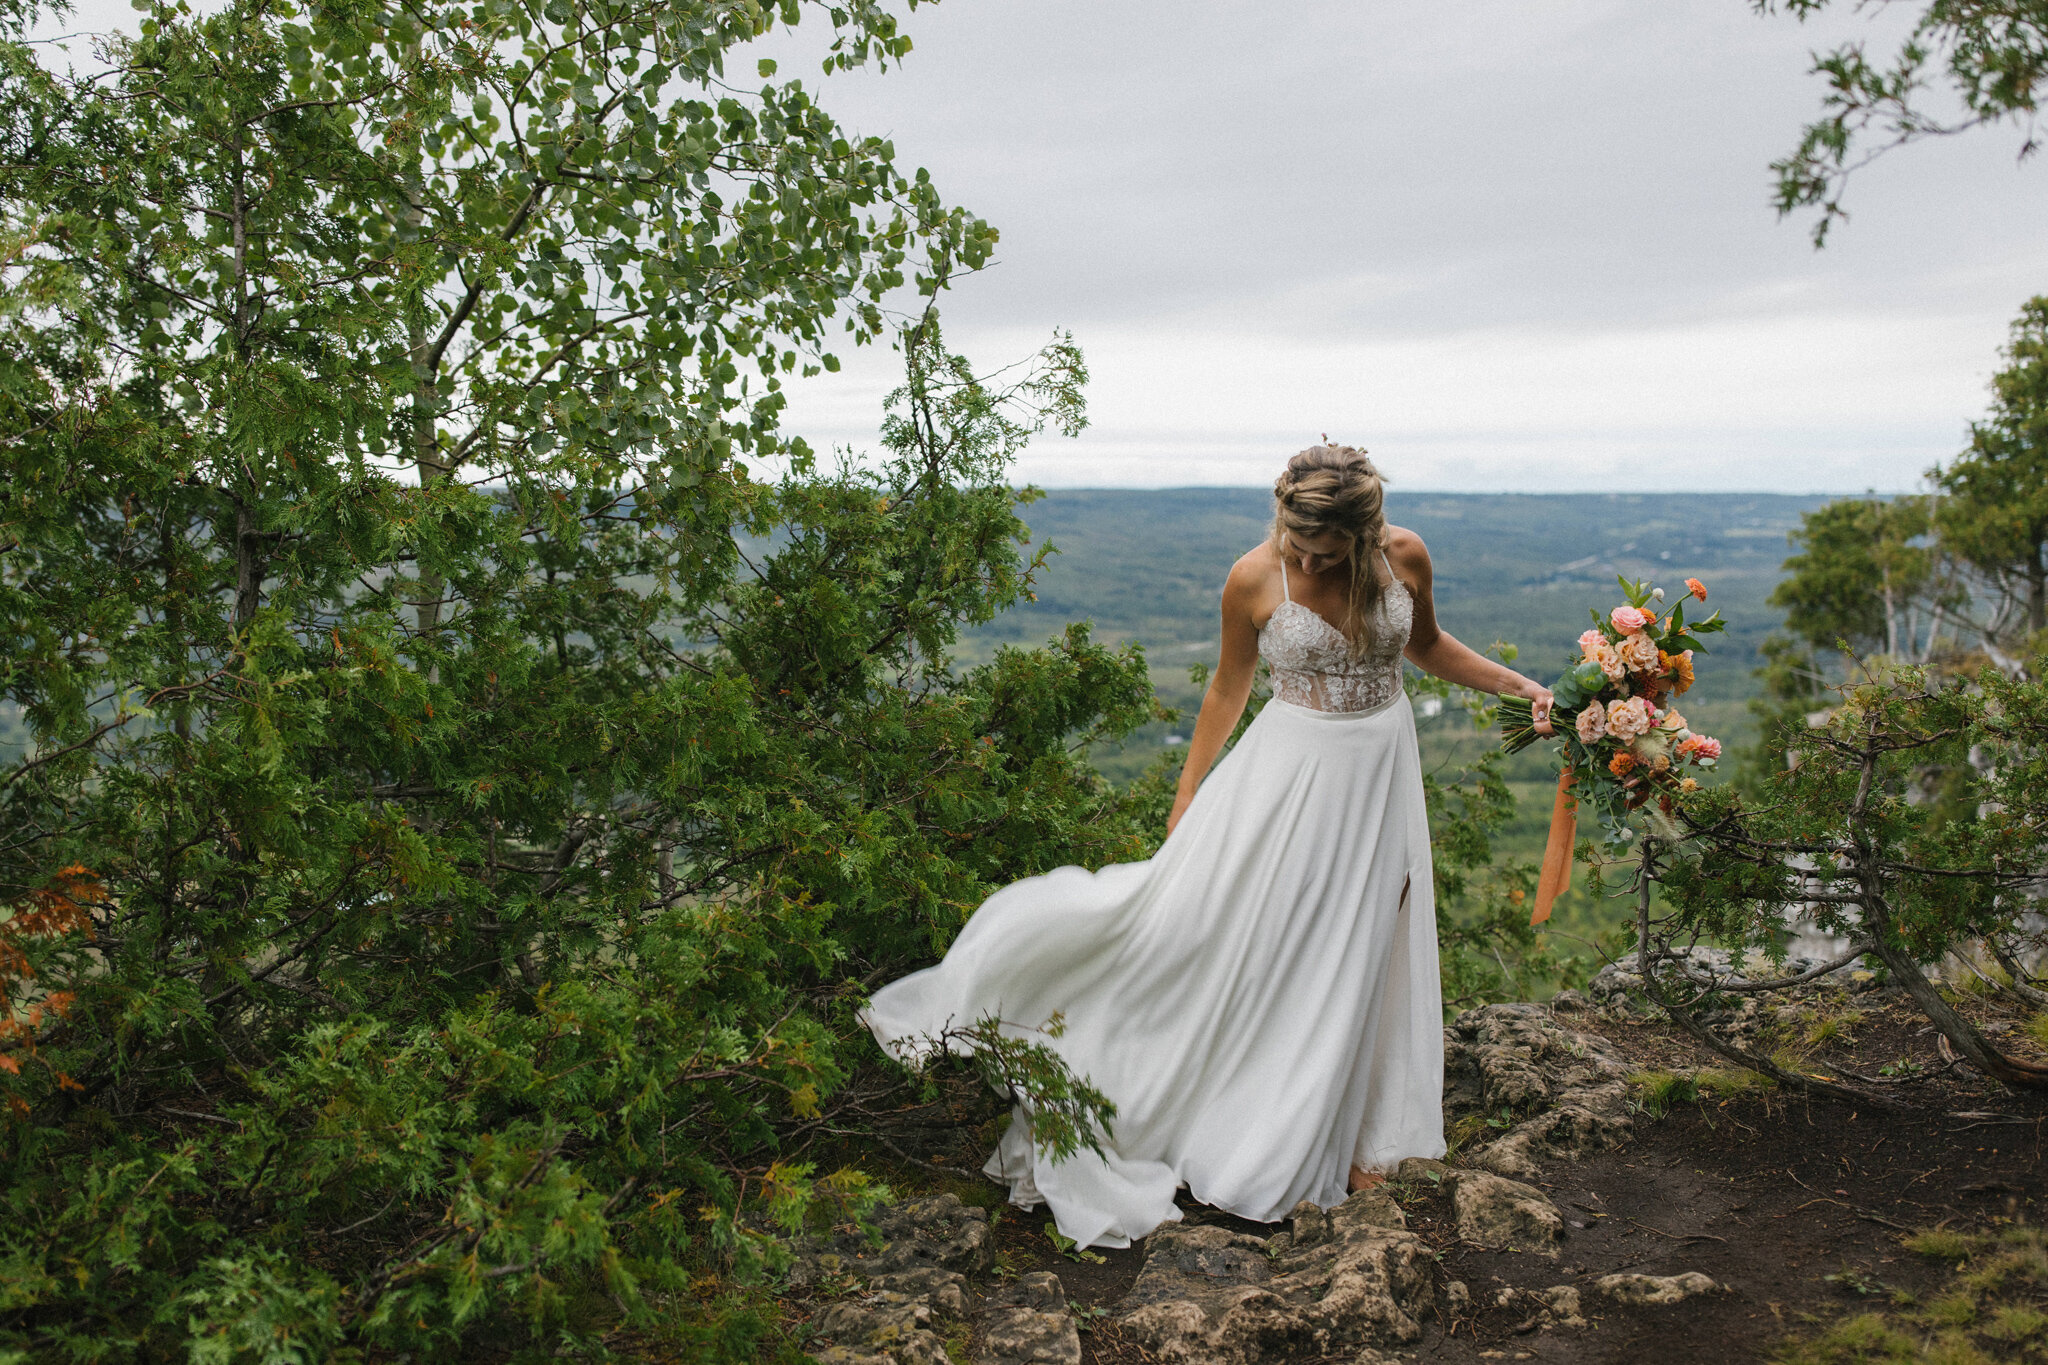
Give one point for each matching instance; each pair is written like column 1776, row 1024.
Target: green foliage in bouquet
column 1619, row 740
column 442, row 863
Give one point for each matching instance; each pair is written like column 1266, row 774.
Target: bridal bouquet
column 1622, row 739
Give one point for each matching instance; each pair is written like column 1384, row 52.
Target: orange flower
column 1678, row 667
column 1621, row 763
column 1696, row 588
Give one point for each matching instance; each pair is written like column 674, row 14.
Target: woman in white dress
column 1260, row 998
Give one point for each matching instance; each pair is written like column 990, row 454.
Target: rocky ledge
column 1352, row 1281
column 1560, row 1092
column 1346, row 1277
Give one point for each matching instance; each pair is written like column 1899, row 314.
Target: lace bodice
column 1312, row 663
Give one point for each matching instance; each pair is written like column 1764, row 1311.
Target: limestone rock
column 939, row 1233
column 1421, row 1170
column 944, row 1290
column 1340, row 1279
column 1495, row 1212
column 887, row 1326
column 1638, row 1290
column 1028, row 1324
column 1546, row 1308
column 1569, row 1088
column 840, row 1355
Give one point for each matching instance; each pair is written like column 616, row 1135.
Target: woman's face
column 1315, row 554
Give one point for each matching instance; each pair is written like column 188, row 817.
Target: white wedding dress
column 1260, row 998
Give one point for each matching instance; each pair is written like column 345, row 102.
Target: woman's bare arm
column 1230, row 685
column 1436, row 652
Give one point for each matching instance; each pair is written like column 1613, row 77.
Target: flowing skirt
column 1259, row 999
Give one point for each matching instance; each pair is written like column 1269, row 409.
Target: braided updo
column 1334, row 490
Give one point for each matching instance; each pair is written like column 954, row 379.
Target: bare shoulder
column 1408, row 555
column 1255, row 569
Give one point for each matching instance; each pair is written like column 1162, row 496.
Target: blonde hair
column 1334, row 490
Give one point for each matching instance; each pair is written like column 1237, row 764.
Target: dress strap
column 1392, row 577
column 1284, row 593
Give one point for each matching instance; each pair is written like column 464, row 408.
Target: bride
column 1260, row 998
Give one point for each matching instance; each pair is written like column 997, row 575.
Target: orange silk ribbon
column 1557, row 853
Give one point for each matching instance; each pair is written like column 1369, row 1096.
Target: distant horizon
column 1396, row 491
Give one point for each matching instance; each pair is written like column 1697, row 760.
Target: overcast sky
column 1503, row 244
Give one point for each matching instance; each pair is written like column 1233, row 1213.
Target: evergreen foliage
column 1993, row 513
column 1913, row 824
column 442, row 866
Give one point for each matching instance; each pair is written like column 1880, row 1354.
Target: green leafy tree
column 1865, row 580
column 460, row 796
column 1990, row 55
column 1861, row 568
column 1993, row 515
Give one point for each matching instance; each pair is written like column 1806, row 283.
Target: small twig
column 1869, row 1217
column 903, row 1155
column 371, row 1219
column 1988, row 1121
column 1677, row 1237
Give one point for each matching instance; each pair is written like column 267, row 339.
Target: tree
column 441, row 860
column 1850, row 833
column 1993, row 55
column 1866, row 581
column 1858, row 577
column 1994, row 511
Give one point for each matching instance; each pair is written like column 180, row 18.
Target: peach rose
column 1627, row 718
column 1627, row 620
column 1639, row 652
column 1591, row 643
column 1592, row 724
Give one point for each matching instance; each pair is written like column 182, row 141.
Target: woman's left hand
column 1539, row 710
